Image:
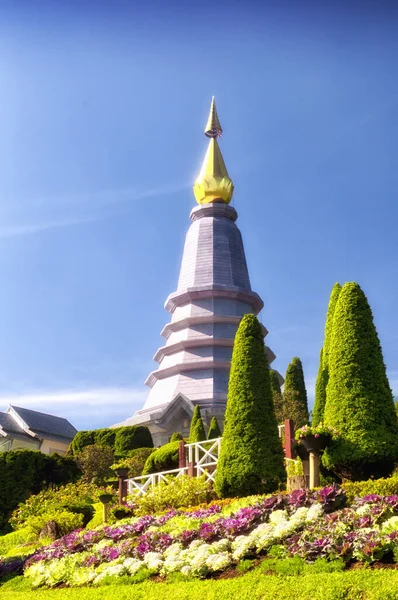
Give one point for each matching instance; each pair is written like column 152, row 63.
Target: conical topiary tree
column 295, row 394
column 197, row 430
column 323, row 372
column 277, row 397
column 251, row 455
column 214, row 430
column 359, row 401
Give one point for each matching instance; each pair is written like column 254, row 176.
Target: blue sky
column 102, row 110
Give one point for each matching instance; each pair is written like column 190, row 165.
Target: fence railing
column 202, row 460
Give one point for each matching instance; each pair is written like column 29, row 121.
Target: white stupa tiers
column 212, row 295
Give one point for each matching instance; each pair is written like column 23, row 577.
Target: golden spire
column 213, row 183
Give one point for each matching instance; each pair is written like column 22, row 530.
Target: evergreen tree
column 277, row 397
column 214, row 430
column 323, row 372
column 359, row 402
column 251, row 456
column 197, row 430
column 295, row 394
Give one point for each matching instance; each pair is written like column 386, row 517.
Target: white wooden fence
column 202, row 456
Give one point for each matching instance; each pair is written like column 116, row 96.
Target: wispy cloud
column 86, row 408
column 51, row 213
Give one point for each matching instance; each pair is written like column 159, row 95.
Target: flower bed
column 202, row 542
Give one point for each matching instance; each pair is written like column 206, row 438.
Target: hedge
column 381, row 487
column 26, row 472
column 120, row 439
column 251, row 456
column 359, row 401
column 164, row 458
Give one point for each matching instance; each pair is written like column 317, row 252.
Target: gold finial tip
column 213, row 127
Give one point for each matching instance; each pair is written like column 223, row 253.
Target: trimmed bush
column 295, row 394
column 105, row 437
column 197, row 430
column 323, row 372
column 132, row 437
column 81, row 439
column 176, row 437
column 381, row 487
column 214, row 430
column 251, row 456
column 120, row 439
column 359, row 401
column 25, row 472
column 177, row 492
column 164, row 458
column 277, row 397
column 135, row 462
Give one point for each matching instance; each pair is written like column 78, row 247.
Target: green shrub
column 80, row 441
column 382, row 487
column 66, row 521
column 323, row 372
column 176, row 437
column 132, row 437
column 277, row 396
column 105, row 437
column 135, row 462
column 251, row 456
column 295, row 394
column 214, row 430
column 95, row 463
column 120, row 439
column 87, row 510
column 197, row 430
column 177, row 492
column 23, row 472
column 70, row 495
column 359, row 401
column 15, row 538
column 164, row 458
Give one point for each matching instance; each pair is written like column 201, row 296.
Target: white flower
column 113, row 570
column 390, row 525
column 241, row 546
column 173, row 550
column 221, row 545
column 153, row 560
column 186, row 570
column 217, row 562
column 133, row 565
column 314, row 512
column 83, row 576
column 277, row 516
column 363, row 510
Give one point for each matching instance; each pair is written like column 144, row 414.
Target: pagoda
column 212, row 295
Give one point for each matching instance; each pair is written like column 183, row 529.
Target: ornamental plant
column 277, row 396
column 214, row 430
column 164, row 458
column 359, row 402
column 295, row 394
column 321, row 429
column 323, row 372
column 197, row 430
column 251, row 455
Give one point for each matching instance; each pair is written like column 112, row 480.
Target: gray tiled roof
column 46, row 425
column 10, row 425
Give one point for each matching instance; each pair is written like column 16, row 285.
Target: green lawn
column 347, row 585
